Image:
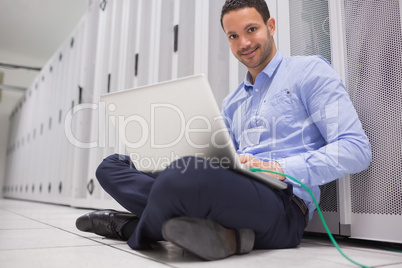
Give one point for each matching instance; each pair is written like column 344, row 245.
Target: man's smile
column 249, row 53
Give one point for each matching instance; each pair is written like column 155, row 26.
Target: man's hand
column 257, row 163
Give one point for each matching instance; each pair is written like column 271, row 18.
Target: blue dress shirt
column 299, row 114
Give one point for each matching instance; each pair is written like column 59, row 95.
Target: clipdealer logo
column 104, row 135
column 104, row 130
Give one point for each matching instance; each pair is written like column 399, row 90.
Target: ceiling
column 33, row 30
column 38, row 27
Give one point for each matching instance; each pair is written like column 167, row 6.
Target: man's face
column 250, row 38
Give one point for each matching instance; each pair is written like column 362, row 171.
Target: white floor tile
column 43, row 235
column 68, row 257
column 40, row 238
column 20, row 223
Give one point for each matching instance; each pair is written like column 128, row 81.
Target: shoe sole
column 206, row 239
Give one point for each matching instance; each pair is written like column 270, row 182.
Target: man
column 291, row 114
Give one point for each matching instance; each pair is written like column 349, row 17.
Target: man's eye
column 233, row 36
column 252, row 29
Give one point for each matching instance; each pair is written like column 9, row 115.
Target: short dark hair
column 259, row 5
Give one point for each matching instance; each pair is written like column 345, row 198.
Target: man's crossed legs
column 196, row 204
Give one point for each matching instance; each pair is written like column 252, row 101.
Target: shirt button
column 322, row 181
column 256, row 90
column 302, row 180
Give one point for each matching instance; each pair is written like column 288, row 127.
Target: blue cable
column 319, row 212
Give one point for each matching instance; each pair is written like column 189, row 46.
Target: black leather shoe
column 108, row 223
column 206, row 238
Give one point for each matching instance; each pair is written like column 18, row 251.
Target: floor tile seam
column 23, row 229
column 372, row 250
column 61, row 229
column 342, row 261
column 96, row 241
column 114, row 246
column 357, row 248
column 133, row 252
column 50, row 247
column 39, row 221
column 390, row 264
column 90, row 246
column 318, row 243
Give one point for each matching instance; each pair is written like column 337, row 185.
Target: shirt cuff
column 295, row 166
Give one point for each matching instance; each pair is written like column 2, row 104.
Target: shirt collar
column 268, row 70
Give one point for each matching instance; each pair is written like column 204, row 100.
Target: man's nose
column 244, row 42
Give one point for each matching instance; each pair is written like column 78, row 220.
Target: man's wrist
column 278, row 168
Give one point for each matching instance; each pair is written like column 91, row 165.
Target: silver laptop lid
column 166, row 121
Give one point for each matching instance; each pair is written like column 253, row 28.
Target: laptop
column 161, row 123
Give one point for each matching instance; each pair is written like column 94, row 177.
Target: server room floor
column 43, row 235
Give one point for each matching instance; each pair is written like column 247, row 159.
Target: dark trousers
column 195, row 187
